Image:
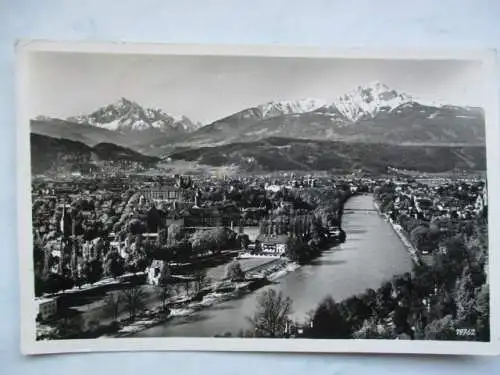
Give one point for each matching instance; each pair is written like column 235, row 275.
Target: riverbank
column 178, row 306
column 90, row 320
column 156, row 316
column 402, row 236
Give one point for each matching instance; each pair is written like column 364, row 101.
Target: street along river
column 371, row 254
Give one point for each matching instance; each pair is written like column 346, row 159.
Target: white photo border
column 29, row 344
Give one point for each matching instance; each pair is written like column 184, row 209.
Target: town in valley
column 362, row 219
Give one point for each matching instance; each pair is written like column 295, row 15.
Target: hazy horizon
column 207, row 88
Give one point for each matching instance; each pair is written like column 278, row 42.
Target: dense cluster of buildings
column 453, row 200
column 82, row 219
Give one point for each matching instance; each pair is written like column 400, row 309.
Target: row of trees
column 75, row 270
column 433, row 303
column 182, row 245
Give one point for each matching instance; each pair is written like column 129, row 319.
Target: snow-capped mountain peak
column 284, row 107
column 124, row 103
column 125, row 116
column 368, row 100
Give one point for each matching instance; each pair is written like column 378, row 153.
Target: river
column 371, row 254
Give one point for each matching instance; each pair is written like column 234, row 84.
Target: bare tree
column 71, row 324
column 187, row 286
column 272, row 313
column 165, row 294
column 201, row 279
column 112, row 304
column 134, row 299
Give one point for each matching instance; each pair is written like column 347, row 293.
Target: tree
column 112, row 304
column 482, row 307
column 297, row 250
column 200, row 279
column 272, row 314
column 71, row 324
column 456, row 251
column 419, row 237
column 244, row 241
column 165, row 274
column 213, row 239
column 234, row 272
column 136, row 226
column 263, row 224
column 74, row 260
column 354, row 311
column 39, row 285
column 369, row 301
column 134, row 299
column 384, row 302
column 187, row 286
column 328, row 321
column 400, row 318
column 465, row 300
column 174, row 233
column 92, row 270
column 113, row 264
column 441, row 329
column 372, row 330
column 153, row 220
column 56, row 282
column 165, row 294
column 201, row 242
column 137, row 262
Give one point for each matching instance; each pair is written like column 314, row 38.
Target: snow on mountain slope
column 128, row 116
column 362, row 102
column 285, row 107
column 367, row 101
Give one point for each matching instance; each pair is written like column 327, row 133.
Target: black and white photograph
column 239, row 197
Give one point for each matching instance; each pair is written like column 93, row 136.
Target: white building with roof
column 46, row 307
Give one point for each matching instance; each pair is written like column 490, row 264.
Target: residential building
column 155, row 271
column 164, row 193
column 273, row 244
column 46, row 308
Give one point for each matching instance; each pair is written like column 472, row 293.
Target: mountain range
column 370, row 114
column 128, row 116
column 123, row 122
column 373, row 113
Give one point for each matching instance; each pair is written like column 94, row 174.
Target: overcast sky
column 208, row 88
